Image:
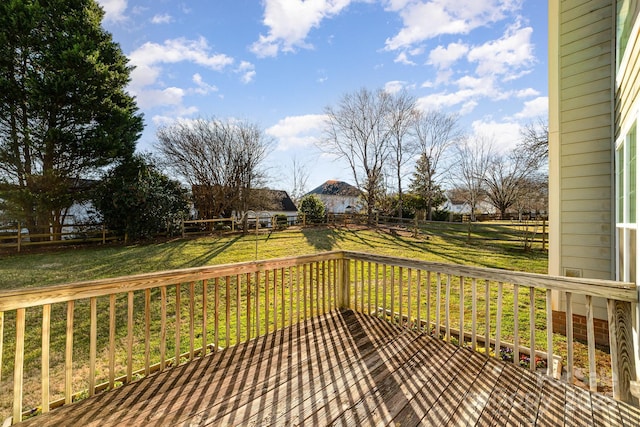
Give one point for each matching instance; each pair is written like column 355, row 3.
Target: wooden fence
column 17, row 237
column 61, row 343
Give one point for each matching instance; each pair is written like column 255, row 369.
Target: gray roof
column 336, row 188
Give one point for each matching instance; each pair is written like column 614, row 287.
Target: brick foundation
column 600, row 327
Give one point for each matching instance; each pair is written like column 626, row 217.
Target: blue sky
column 279, row 63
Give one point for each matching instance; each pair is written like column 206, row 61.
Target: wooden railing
column 72, row 341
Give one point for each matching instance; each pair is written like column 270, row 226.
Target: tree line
column 69, row 129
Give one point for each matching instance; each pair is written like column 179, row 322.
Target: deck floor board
column 344, row 368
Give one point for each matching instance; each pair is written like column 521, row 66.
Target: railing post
column 343, row 283
column 621, row 347
column 19, row 236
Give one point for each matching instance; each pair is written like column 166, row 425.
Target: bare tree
column 402, row 115
column 357, row 131
column 470, row 169
column 299, row 178
column 435, row 132
column 535, row 141
column 506, row 177
column 221, row 160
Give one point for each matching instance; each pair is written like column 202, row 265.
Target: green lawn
column 95, row 262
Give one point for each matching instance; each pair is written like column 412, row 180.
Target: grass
column 86, row 263
column 26, row 270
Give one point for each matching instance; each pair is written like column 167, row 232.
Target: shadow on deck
column 345, row 368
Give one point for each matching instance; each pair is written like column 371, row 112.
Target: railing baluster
column 354, row 304
column 298, row 292
column 569, row 332
column 384, row 288
column 304, row 290
column 377, row 290
column 227, row 311
column 516, row 326
column 275, row 300
column 362, row 287
column 282, row 299
column 532, row 329
column 177, row 331
column 438, row 297
column 192, row 319
column 428, row 291
column 204, row 317
column 487, row 318
column 248, row 306
column 461, row 295
column 93, row 343
column 266, row 301
column 498, row 321
column 400, row 294
column 419, row 300
column 393, row 299
column 238, row 306
column 46, row 340
column 112, row 340
column 147, row 331
column 163, row 327
column 290, row 296
column 18, row 366
column 129, row 336
column 447, row 311
column 216, row 313
column 318, row 288
column 549, row 333
column 368, row 288
column 591, row 343
column 474, row 314
column 258, row 285
column 68, row 355
column 409, row 284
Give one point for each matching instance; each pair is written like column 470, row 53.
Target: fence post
column 621, row 347
column 233, row 224
column 104, row 234
column 19, row 236
column 343, row 283
column 544, row 234
column 304, row 219
column 182, row 226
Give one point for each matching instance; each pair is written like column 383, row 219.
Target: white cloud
column 290, row 21
column 247, row 71
column 148, row 58
column 507, row 56
column 203, row 87
column 162, row 19
column 403, row 58
column 424, row 20
column 505, row 136
column 159, row 97
column 443, row 57
column 526, row 93
column 297, row 131
column 394, row 86
column 114, row 10
column 537, row 107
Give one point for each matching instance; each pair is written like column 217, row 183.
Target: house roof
column 336, row 188
column 275, row 200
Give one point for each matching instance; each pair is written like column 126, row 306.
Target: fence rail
column 64, row 342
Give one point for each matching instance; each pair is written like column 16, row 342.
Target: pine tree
column 424, row 187
column 64, row 110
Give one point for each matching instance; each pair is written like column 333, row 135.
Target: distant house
column 338, row 197
column 268, row 203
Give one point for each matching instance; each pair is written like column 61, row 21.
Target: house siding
column 581, row 81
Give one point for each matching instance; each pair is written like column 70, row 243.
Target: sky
column 280, row 63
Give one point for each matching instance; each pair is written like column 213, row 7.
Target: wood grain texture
column 345, row 368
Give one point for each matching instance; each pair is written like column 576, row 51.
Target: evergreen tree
column 312, row 207
column 138, row 201
column 64, row 111
column 424, row 187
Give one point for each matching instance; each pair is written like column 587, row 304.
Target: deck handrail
column 213, row 307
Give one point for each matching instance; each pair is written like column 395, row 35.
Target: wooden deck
column 345, row 368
